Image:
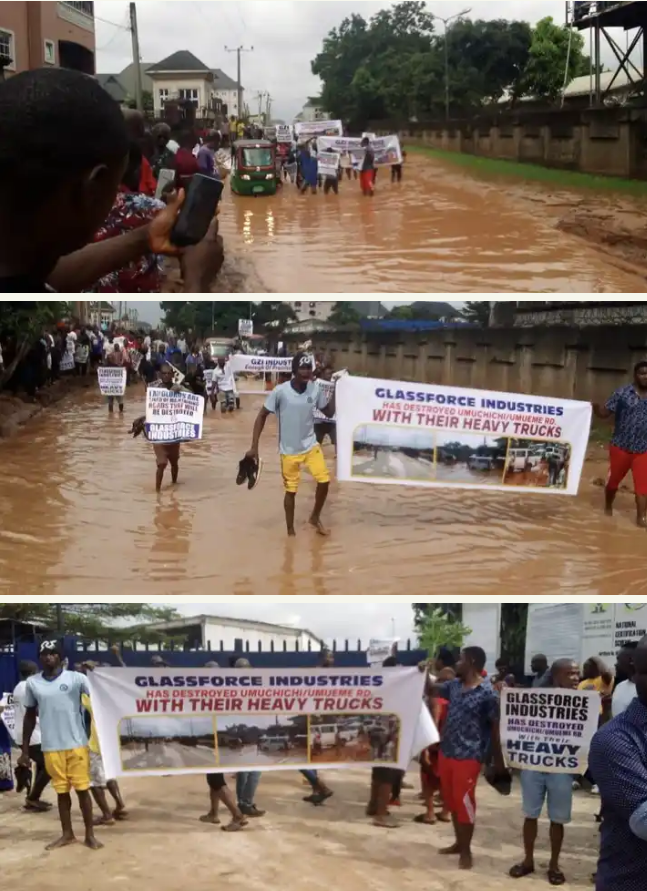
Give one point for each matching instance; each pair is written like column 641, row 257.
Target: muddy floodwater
column 80, row 517
column 440, row 230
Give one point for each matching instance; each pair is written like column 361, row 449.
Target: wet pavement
column 440, row 230
column 80, row 517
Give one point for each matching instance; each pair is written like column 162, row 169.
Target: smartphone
column 166, row 178
column 199, row 208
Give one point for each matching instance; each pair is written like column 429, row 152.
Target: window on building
column 86, row 8
column 8, row 47
column 190, row 96
column 163, row 93
column 50, row 52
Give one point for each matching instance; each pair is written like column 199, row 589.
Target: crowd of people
column 58, row 743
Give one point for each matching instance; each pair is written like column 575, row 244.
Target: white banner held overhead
column 260, row 364
column 173, row 417
column 112, row 380
column 381, row 650
column 396, row 433
column 198, row 721
column 245, row 328
column 548, row 729
column 387, row 149
column 313, row 129
column 284, row 134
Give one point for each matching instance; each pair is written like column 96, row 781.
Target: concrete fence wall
column 571, row 363
column 606, row 141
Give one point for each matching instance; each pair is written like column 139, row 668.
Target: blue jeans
column 311, row 776
column 556, row 789
column 246, row 786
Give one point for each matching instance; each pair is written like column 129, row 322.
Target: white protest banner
column 209, row 375
column 396, row 433
column 8, row 713
column 381, row 650
column 328, row 388
column 241, row 364
column 245, row 328
column 548, row 729
column 340, row 144
column 313, row 129
column 135, row 359
column 328, row 164
column 387, row 151
column 196, row 721
column 173, row 417
column 112, row 380
column 284, row 134
column 369, row 136
column 67, row 362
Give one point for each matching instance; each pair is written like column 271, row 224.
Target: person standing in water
column 628, row 451
column 294, row 404
column 367, row 176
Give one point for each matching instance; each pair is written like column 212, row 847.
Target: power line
column 114, row 24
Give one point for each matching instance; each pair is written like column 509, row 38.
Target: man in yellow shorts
column 294, row 405
column 54, row 696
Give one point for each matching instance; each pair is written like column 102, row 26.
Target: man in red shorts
column 471, row 731
column 628, row 451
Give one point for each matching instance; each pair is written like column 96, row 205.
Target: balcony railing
column 80, row 14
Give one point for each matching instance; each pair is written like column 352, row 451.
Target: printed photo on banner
column 312, row 129
column 8, row 713
column 341, row 739
column 173, row 417
column 548, row 730
column 194, row 720
column 112, row 381
column 428, row 435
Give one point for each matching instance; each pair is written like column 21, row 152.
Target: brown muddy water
column 79, row 516
column 440, row 230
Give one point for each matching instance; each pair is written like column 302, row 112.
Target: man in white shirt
column 225, row 385
column 41, row 780
column 625, row 691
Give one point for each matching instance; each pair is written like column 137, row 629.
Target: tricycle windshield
column 257, row 157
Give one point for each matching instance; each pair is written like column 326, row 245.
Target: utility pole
column 139, row 88
column 446, row 22
column 239, row 52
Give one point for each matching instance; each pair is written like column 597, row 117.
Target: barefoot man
column 54, row 696
column 628, row 452
column 294, row 405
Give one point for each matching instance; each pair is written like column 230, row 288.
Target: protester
column 146, row 183
column 247, row 782
column 294, row 404
column 554, row 789
column 367, row 176
column 596, row 676
column 385, row 782
column 54, row 696
column 132, row 210
column 618, row 760
column 165, row 150
column 471, row 732
column 224, row 385
column 429, row 759
column 625, row 691
column 207, row 155
column 99, row 783
column 117, row 359
column 308, row 168
column 63, row 150
column 186, row 163
column 41, row 778
column 628, row 450
column 541, row 674
column 219, row 793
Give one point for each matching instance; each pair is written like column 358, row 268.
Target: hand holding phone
column 198, row 211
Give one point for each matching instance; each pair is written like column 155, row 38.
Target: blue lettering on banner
column 247, row 681
column 164, row 434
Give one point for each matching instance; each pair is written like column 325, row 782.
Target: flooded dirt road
column 80, row 517
column 440, row 230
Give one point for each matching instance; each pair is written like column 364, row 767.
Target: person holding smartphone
column 64, row 147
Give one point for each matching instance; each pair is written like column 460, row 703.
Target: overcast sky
column 357, row 621
column 286, row 36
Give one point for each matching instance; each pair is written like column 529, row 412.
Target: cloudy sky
column 358, row 621
column 286, row 36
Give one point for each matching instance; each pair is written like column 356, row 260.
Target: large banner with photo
column 313, row 129
column 197, row 721
column 548, row 730
column 387, row 149
column 404, row 434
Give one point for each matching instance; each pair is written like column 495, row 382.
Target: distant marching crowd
column 57, row 740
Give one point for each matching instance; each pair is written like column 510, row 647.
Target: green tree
column 546, row 69
column 218, row 317
column 344, row 313
column 477, row 312
column 267, row 316
column 24, row 321
column 113, row 622
column 439, row 629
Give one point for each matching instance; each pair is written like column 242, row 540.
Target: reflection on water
column 437, row 231
column 80, row 517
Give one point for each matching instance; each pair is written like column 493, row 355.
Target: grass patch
column 570, row 179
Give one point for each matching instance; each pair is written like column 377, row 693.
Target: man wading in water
column 294, row 405
column 628, row 449
column 169, row 453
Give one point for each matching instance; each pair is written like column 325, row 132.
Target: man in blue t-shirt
column 294, row 405
column 54, row 697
